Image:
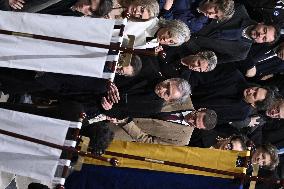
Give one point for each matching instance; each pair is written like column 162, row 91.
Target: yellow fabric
column 203, row 157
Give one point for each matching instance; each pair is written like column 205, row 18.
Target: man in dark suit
column 154, row 67
column 16, row 81
column 231, row 40
column 203, row 61
column 210, row 36
column 265, row 10
column 144, row 97
column 261, row 118
column 226, row 91
column 263, row 61
column 196, row 14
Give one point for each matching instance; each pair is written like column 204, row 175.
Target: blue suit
column 184, row 10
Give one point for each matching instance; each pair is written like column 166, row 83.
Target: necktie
column 172, row 117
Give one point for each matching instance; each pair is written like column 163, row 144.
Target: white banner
column 34, row 54
column 141, row 30
column 26, row 158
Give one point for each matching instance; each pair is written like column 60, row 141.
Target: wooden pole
column 241, row 176
column 83, row 43
column 112, row 161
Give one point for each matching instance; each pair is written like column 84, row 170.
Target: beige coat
column 155, row 131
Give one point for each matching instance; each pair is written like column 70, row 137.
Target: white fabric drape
column 26, row 158
column 34, row 54
column 141, row 30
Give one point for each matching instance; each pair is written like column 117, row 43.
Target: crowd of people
column 220, row 85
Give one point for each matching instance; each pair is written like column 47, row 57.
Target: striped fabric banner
column 20, row 50
column 27, row 158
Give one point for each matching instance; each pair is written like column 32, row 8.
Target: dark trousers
column 70, row 111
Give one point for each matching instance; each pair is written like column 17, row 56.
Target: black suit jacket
column 224, row 38
column 16, row 81
column 64, row 84
column 4, row 5
column 277, row 81
column 139, row 100
column 63, row 8
column 136, row 99
column 265, row 10
column 222, row 91
column 264, row 58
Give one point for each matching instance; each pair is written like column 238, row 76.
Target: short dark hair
column 241, row 139
column 100, row 137
column 273, row 152
column 210, row 119
column 268, row 101
column 103, row 9
column 136, row 64
column 34, row 185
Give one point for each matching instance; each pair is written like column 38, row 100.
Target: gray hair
column 177, row 28
column 273, row 153
column 211, row 57
column 226, row 6
column 152, row 6
column 184, row 89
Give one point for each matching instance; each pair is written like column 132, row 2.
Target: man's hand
column 106, row 104
column 16, row 4
column 251, row 72
column 280, row 52
column 158, row 49
column 253, row 121
column 267, row 77
column 116, row 121
column 112, row 93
